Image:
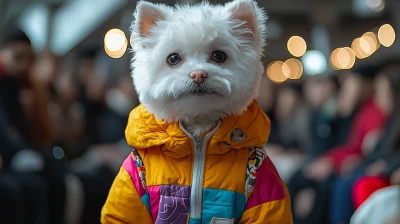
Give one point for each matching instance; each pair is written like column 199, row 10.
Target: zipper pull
column 199, row 144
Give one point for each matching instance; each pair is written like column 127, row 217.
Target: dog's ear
column 146, row 16
column 245, row 11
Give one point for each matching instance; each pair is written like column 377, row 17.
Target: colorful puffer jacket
column 222, row 177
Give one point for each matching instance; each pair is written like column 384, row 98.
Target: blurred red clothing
column 365, row 187
column 368, row 118
column 1, row 69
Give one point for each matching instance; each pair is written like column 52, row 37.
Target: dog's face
column 197, row 60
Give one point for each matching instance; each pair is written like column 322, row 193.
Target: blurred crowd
column 61, row 133
column 335, row 138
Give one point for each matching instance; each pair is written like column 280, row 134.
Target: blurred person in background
column 320, row 93
column 267, row 102
column 310, row 188
column 12, row 202
column 43, row 74
column 381, row 165
column 20, row 164
column 87, row 162
column 68, row 113
column 42, row 92
column 376, row 146
column 16, row 61
column 93, row 89
column 106, row 99
column 120, row 100
column 292, row 118
column 25, row 98
column 321, row 97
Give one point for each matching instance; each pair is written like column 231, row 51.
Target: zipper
column 196, row 194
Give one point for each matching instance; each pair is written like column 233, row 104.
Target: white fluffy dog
column 197, row 64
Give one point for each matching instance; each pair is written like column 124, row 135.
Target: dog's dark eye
column 218, row 56
column 173, row 59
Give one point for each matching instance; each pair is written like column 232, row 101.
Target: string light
column 343, row 58
column 297, row 46
column 351, row 58
column 360, row 46
column 293, row 68
column 386, row 35
column 115, row 43
column 372, row 40
column 333, row 59
column 275, row 72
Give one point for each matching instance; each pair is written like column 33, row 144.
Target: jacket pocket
column 174, row 204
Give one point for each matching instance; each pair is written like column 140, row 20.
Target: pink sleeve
column 270, row 201
column 268, row 186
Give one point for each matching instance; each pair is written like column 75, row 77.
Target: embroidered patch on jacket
column 256, row 157
column 238, row 135
column 140, row 167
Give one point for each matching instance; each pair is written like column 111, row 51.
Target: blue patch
column 146, row 201
column 222, row 204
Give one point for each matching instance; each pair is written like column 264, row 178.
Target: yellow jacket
column 222, row 177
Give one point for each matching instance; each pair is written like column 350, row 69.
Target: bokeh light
column 115, row 43
column 293, row 68
column 352, row 57
column 333, row 59
column 276, row 72
column 343, row 58
column 58, row 153
column 361, row 48
column 372, row 40
column 314, row 62
column 376, row 5
column 366, row 47
column 386, row 35
column 297, row 46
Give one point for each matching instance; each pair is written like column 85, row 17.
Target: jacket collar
column 249, row 129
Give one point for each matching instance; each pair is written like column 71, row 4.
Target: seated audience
column 379, row 151
column 22, row 168
column 309, row 188
column 291, row 116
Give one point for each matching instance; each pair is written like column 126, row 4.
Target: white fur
column 194, row 32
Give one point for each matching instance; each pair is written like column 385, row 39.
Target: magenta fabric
column 130, row 166
column 154, row 193
column 268, row 185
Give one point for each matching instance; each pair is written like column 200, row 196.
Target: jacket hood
column 249, row 129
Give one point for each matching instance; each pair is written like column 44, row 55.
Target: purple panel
column 174, row 204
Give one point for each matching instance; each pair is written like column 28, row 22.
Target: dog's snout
column 198, row 76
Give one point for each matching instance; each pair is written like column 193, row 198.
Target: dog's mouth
column 199, row 92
